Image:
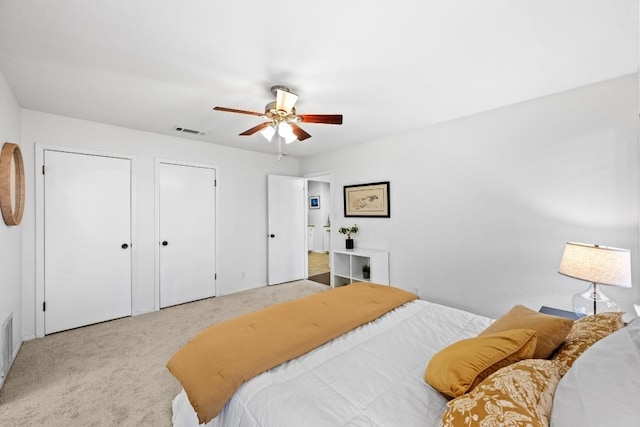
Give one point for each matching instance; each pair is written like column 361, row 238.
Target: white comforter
column 371, row 376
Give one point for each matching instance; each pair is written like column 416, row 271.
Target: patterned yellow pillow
column 519, row 395
column 461, row 366
column 584, row 333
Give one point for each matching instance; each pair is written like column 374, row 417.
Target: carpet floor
column 113, row 373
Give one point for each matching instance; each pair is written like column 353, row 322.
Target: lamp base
column 593, row 301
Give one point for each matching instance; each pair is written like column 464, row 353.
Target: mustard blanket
column 213, row 365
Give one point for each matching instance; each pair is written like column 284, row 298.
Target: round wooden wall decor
column 11, row 184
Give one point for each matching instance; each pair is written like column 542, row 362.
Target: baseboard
column 140, row 313
column 15, row 353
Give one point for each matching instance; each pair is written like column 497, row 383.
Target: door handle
column 272, row 235
column 125, row 246
column 165, row 243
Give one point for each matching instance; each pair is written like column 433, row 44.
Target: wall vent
column 189, row 131
column 6, row 355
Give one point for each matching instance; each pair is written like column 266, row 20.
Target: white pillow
column 603, row 385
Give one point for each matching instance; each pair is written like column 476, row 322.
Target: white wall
column 482, row 207
column 10, row 237
column 242, row 185
column 319, row 217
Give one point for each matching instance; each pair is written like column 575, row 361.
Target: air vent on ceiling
column 189, row 131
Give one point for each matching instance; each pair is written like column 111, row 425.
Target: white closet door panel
column 87, row 222
column 187, row 225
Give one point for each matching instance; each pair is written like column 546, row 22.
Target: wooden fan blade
column 329, row 119
column 255, row 129
column 299, row 132
column 285, row 100
column 233, row 110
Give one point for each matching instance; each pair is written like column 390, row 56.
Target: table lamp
column 599, row 265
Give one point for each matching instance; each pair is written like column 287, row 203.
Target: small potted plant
column 348, row 231
column 366, row 271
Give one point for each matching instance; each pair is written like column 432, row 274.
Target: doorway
column 319, row 228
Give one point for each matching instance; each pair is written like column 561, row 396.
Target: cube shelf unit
column 346, row 266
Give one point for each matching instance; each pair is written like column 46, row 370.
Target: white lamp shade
column 285, row 100
column 268, row 132
column 597, row 264
column 285, row 131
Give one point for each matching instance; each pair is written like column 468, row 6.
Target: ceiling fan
column 282, row 117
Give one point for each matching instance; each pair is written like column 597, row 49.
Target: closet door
column 187, row 230
column 87, row 239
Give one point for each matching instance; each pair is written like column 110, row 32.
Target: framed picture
column 367, row 200
column 314, row 202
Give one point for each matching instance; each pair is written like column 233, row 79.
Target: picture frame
column 370, row 200
column 314, row 202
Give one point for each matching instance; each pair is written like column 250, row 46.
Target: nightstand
column 560, row 313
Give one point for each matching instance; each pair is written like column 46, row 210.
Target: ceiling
column 388, row 67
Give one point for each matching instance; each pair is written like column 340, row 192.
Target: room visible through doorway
column 319, row 268
column 319, row 228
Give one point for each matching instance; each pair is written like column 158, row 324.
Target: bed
column 374, row 375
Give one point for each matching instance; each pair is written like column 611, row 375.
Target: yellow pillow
column 584, row 333
column 461, row 366
column 517, row 395
column 551, row 330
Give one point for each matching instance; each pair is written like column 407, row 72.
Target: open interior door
column 286, row 229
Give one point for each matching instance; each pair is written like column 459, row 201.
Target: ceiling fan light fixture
column 285, row 100
column 268, row 132
column 285, row 131
column 282, row 118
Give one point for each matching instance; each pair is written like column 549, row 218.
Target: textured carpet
column 324, row 278
column 113, row 373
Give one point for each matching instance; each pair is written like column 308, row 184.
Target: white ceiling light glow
column 285, row 131
column 268, row 132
